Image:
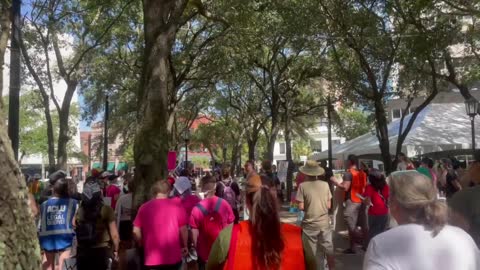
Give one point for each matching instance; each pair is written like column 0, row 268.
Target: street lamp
column 186, row 138
column 471, row 107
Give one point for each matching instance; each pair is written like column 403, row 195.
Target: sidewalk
column 340, row 240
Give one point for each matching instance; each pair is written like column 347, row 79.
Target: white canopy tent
column 440, row 127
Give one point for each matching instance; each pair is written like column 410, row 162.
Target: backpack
column 212, row 223
column 86, row 230
column 230, row 196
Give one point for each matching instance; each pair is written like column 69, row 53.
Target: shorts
column 322, row 239
column 125, row 230
column 355, row 215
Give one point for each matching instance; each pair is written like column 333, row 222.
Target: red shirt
column 379, row 205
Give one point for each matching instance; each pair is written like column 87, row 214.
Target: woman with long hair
column 262, row 242
column 422, row 240
column 376, row 196
column 96, row 230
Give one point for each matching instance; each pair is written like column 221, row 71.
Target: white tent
column 440, row 127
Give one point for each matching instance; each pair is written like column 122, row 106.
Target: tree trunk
column 382, row 135
column 5, row 24
column 271, row 144
column 152, row 140
column 64, row 128
column 50, row 134
column 19, row 248
column 288, row 152
column 251, row 149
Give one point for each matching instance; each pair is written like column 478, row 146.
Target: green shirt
column 424, row 171
column 219, row 251
column 467, row 203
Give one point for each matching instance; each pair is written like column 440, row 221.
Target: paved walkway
column 343, row 262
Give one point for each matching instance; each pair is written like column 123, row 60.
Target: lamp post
column 471, row 107
column 186, row 138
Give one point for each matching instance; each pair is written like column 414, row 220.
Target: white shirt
column 123, row 209
column 411, row 247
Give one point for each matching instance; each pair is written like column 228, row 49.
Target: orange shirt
column 293, row 257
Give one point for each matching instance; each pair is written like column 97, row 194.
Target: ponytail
column 266, row 228
column 436, row 216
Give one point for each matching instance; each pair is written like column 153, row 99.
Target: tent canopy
column 440, row 127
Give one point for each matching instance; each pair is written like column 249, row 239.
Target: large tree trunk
column 5, row 24
column 151, row 142
column 271, row 143
column 50, row 136
column 382, row 135
column 288, row 152
column 19, row 248
column 64, row 128
column 251, row 149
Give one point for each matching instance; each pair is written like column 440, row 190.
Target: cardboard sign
column 172, row 160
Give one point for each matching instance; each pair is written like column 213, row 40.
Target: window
column 396, row 113
column 282, row 148
column 335, row 142
column 316, row 146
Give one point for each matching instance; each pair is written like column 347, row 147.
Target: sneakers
column 349, row 251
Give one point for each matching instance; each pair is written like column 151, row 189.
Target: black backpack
column 86, row 229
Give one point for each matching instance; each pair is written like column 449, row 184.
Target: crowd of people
column 179, row 228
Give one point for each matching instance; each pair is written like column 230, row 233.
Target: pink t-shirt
column 188, row 203
column 160, row 221
column 196, row 219
column 113, row 192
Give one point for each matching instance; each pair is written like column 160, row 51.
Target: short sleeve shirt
column 160, row 221
column 196, row 219
column 379, row 204
column 107, row 216
column 315, row 196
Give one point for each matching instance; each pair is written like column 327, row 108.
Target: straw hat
column 312, row 168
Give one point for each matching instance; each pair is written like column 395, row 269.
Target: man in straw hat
column 314, row 198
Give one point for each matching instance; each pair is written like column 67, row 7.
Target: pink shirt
column 196, row 219
column 113, row 192
column 160, row 221
column 188, row 203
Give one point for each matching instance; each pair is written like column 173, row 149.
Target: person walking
column 124, row 220
column 354, row 183
column 423, row 168
column 376, row 196
column 262, row 242
column 208, row 218
column 35, row 187
column 183, row 193
column 452, row 182
column 56, row 225
column 465, row 206
column 113, row 190
column 229, row 190
column 160, row 228
column 96, row 230
column 314, row 198
column 404, row 163
column 423, row 240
